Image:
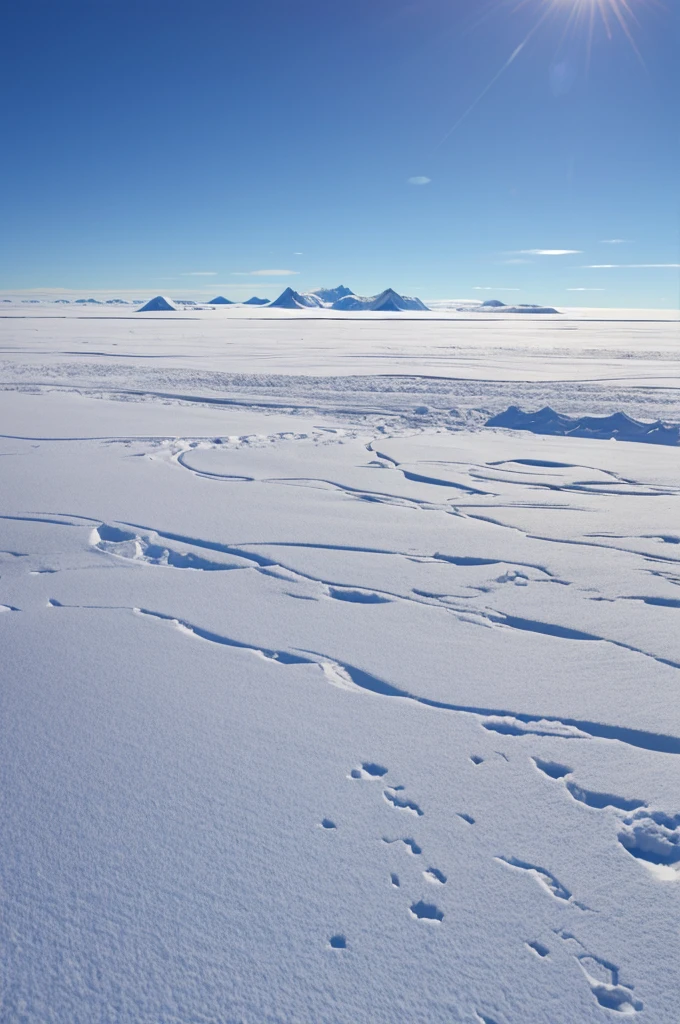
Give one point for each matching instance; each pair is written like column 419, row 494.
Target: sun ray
column 608, row 12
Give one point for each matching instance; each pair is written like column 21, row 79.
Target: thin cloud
column 200, row 273
column 516, row 261
column 631, row 266
column 549, row 252
column 585, row 289
column 419, row 179
column 298, row 254
column 490, row 288
column 265, row 273
column 613, row 241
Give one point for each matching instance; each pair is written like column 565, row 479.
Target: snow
column 387, row 301
column 618, row 426
column 323, row 700
column 290, row 299
column 158, row 304
column 494, row 305
column 331, row 295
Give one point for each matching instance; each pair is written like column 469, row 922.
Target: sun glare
column 608, row 13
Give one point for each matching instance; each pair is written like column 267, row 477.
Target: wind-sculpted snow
column 618, row 426
column 362, row 716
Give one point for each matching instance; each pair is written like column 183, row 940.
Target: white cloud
column 298, row 254
column 585, row 289
column 613, row 241
column 549, row 252
column 419, row 179
column 266, row 273
column 631, row 266
column 201, row 273
column 489, row 288
column 517, row 260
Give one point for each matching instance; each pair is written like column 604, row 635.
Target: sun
column 609, row 13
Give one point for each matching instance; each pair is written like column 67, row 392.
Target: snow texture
column 322, row 700
column 618, row 426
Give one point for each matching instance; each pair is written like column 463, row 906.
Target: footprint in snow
column 368, row 771
column 422, row 911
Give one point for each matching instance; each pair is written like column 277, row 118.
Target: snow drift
column 618, row 426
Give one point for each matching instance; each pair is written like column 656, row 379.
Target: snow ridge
column 618, row 426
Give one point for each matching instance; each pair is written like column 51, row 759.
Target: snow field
column 310, row 720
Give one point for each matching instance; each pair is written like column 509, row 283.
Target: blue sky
column 164, row 147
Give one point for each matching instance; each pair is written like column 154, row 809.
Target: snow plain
column 321, row 701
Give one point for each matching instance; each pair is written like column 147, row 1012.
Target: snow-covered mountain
column 159, row 304
column 290, row 299
column 255, row 301
column 495, row 305
column 331, row 295
column 220, row 301
column 388, row 301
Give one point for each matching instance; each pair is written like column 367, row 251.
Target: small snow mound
column 617, row 426
column 159, row 304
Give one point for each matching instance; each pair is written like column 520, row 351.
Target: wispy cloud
column 516, row 260
column 549, row 252
column 298, row 254
column 419, row 179
column 265, row 273
column 492, row 288
column 585, row 289
column 200, row 273
column 631, row 266
column 613, row 241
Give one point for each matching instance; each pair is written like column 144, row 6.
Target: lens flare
column 590, row 13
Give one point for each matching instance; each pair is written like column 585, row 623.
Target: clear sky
column 235, row 148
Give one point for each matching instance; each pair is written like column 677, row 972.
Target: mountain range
column 342, row 298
